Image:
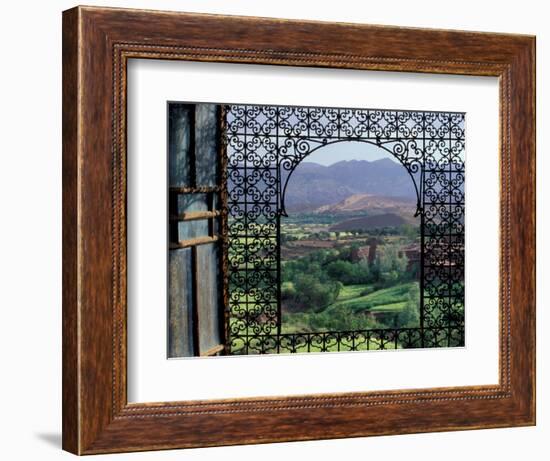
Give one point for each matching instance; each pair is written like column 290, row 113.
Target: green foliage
column 347, row 272
column 340, row 319
column 409, row 317
column 288, row 291
column 390, row 307
column 412, row 233
column 367, row 291
column 329, row 289
column 311, row 293
column 392, row 298
column 309, row 290
column 287, row 237
column 391, row 261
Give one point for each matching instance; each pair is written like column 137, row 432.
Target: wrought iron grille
column 264, row 144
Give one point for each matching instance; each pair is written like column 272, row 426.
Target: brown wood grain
column 194, row 215
column 70, row 382
column 193, row 242
column 97, row 42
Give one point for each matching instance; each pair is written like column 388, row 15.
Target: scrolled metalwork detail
column 264, row 146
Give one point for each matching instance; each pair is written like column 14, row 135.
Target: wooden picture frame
column 97, row 43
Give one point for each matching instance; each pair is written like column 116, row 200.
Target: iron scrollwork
column 264, row 145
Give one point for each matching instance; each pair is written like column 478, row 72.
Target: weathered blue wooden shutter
column 195, row 288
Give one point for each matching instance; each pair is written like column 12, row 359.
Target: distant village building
column 370, row 252
column 412, row 252
column 360, row 253
column 367, row 252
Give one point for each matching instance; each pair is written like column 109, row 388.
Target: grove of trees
column 313, row 282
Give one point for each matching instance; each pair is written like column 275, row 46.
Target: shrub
column 348, row 273
column 410, row 316
column 367, row 291
column 311, row 294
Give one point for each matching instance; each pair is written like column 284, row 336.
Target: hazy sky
column 349, row 150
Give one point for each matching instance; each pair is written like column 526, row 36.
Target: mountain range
column 374, row 203
column 315, row 187
column 372, row 222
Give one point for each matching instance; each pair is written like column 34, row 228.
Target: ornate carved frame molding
column 97, row 43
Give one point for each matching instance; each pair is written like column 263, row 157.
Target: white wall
column 30, row 230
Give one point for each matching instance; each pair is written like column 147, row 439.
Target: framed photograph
column 281, row 230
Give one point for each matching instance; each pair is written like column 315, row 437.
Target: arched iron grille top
column 264, row 144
